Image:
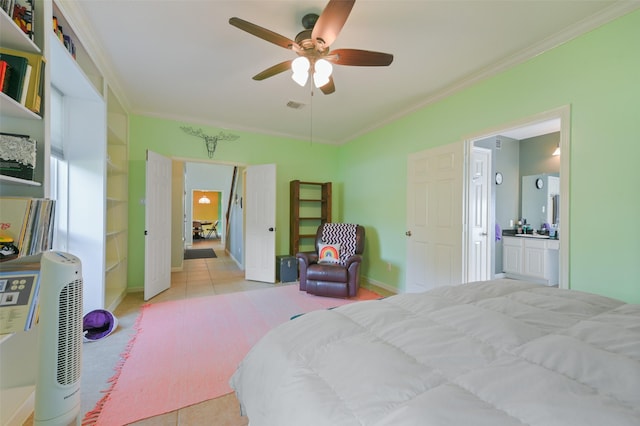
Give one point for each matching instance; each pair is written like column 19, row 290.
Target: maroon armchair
column 341, row 277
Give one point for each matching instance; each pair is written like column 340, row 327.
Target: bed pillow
column 329, row 253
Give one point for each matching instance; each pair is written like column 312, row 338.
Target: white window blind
column 57, row 123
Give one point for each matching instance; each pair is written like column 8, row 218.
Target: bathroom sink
column 532, row 236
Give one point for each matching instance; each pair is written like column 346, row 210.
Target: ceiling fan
column 312, row 47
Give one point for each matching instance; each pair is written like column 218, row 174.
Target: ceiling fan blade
column 328, row 88
column 264, row 33
column 330, row 22
column 271, row 71
column 363, row 58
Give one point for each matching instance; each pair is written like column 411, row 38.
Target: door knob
column 272, row 229
column 483, row 234
column 408, row 233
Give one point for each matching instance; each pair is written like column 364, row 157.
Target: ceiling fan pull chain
column 311, row 116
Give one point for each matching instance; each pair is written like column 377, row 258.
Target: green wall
column 596, row 74
column 294, row 160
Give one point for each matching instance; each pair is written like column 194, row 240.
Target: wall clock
column 539, row 183
column 498, row 178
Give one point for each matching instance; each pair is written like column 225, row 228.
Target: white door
column 479, row 255
column 434, row 218
column 260, row 223
column 157, row 241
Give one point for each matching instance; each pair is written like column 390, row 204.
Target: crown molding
column 76, row 17
column 607, row 15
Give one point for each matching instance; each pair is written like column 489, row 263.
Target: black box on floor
column 286, row 269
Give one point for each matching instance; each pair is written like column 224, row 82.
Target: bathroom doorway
column 507, row 165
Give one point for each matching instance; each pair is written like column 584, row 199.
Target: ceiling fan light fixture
column 300, row 78
column 300, row 67
column 322, row 72
column 320, row 80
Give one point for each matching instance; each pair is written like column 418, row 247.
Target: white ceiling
column 181, row 59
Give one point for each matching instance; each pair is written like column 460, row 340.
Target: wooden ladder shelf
column 310, row 206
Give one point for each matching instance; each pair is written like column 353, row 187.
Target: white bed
column 501, row 352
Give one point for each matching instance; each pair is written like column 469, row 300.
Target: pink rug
column 185, row 351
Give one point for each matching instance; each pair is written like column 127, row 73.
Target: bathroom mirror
column 540, row 199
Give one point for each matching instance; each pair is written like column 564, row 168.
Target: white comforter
column 497, row 353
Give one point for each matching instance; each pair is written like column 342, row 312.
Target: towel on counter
column 498, row 232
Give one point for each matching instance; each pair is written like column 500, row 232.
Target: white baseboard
column 240, row 265
column 112, row 307
column 380, row 284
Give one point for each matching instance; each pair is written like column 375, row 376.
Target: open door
column 260, row 223
column 479, row 233
column 157, row 242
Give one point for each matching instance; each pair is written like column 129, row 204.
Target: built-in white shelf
column 13, row 37
column 18, row 181
column 116, row 232
column 66, row 74
column 11, row 108
column 114, row 169
column 19, row 402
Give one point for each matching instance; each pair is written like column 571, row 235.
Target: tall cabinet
column 84, row 140
column 94, row 138
column 117, row 202
column 96, row 147
column 309, row 207
column 17, row 351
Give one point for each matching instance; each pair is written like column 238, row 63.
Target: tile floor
column 199, row 277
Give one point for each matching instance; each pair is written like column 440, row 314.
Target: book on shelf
column 8, row 6
column 18, row 70
column 28, row 223
column 5, row 75
column 33, row 100
column 65, row 39
column 22, row 14
column 25, row 85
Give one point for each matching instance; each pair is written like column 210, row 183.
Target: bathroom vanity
column 531, row 257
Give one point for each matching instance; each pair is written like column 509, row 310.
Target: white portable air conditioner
column 59, row 340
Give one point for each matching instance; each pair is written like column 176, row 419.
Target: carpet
column 206, row 253
column 184, row 352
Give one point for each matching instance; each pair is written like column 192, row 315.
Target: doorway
column 206, row 214
column 555, row 121
column 207, row 188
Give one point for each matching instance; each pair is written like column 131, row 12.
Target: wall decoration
column 211, row 142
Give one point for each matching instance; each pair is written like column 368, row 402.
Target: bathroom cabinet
column 532, row 259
